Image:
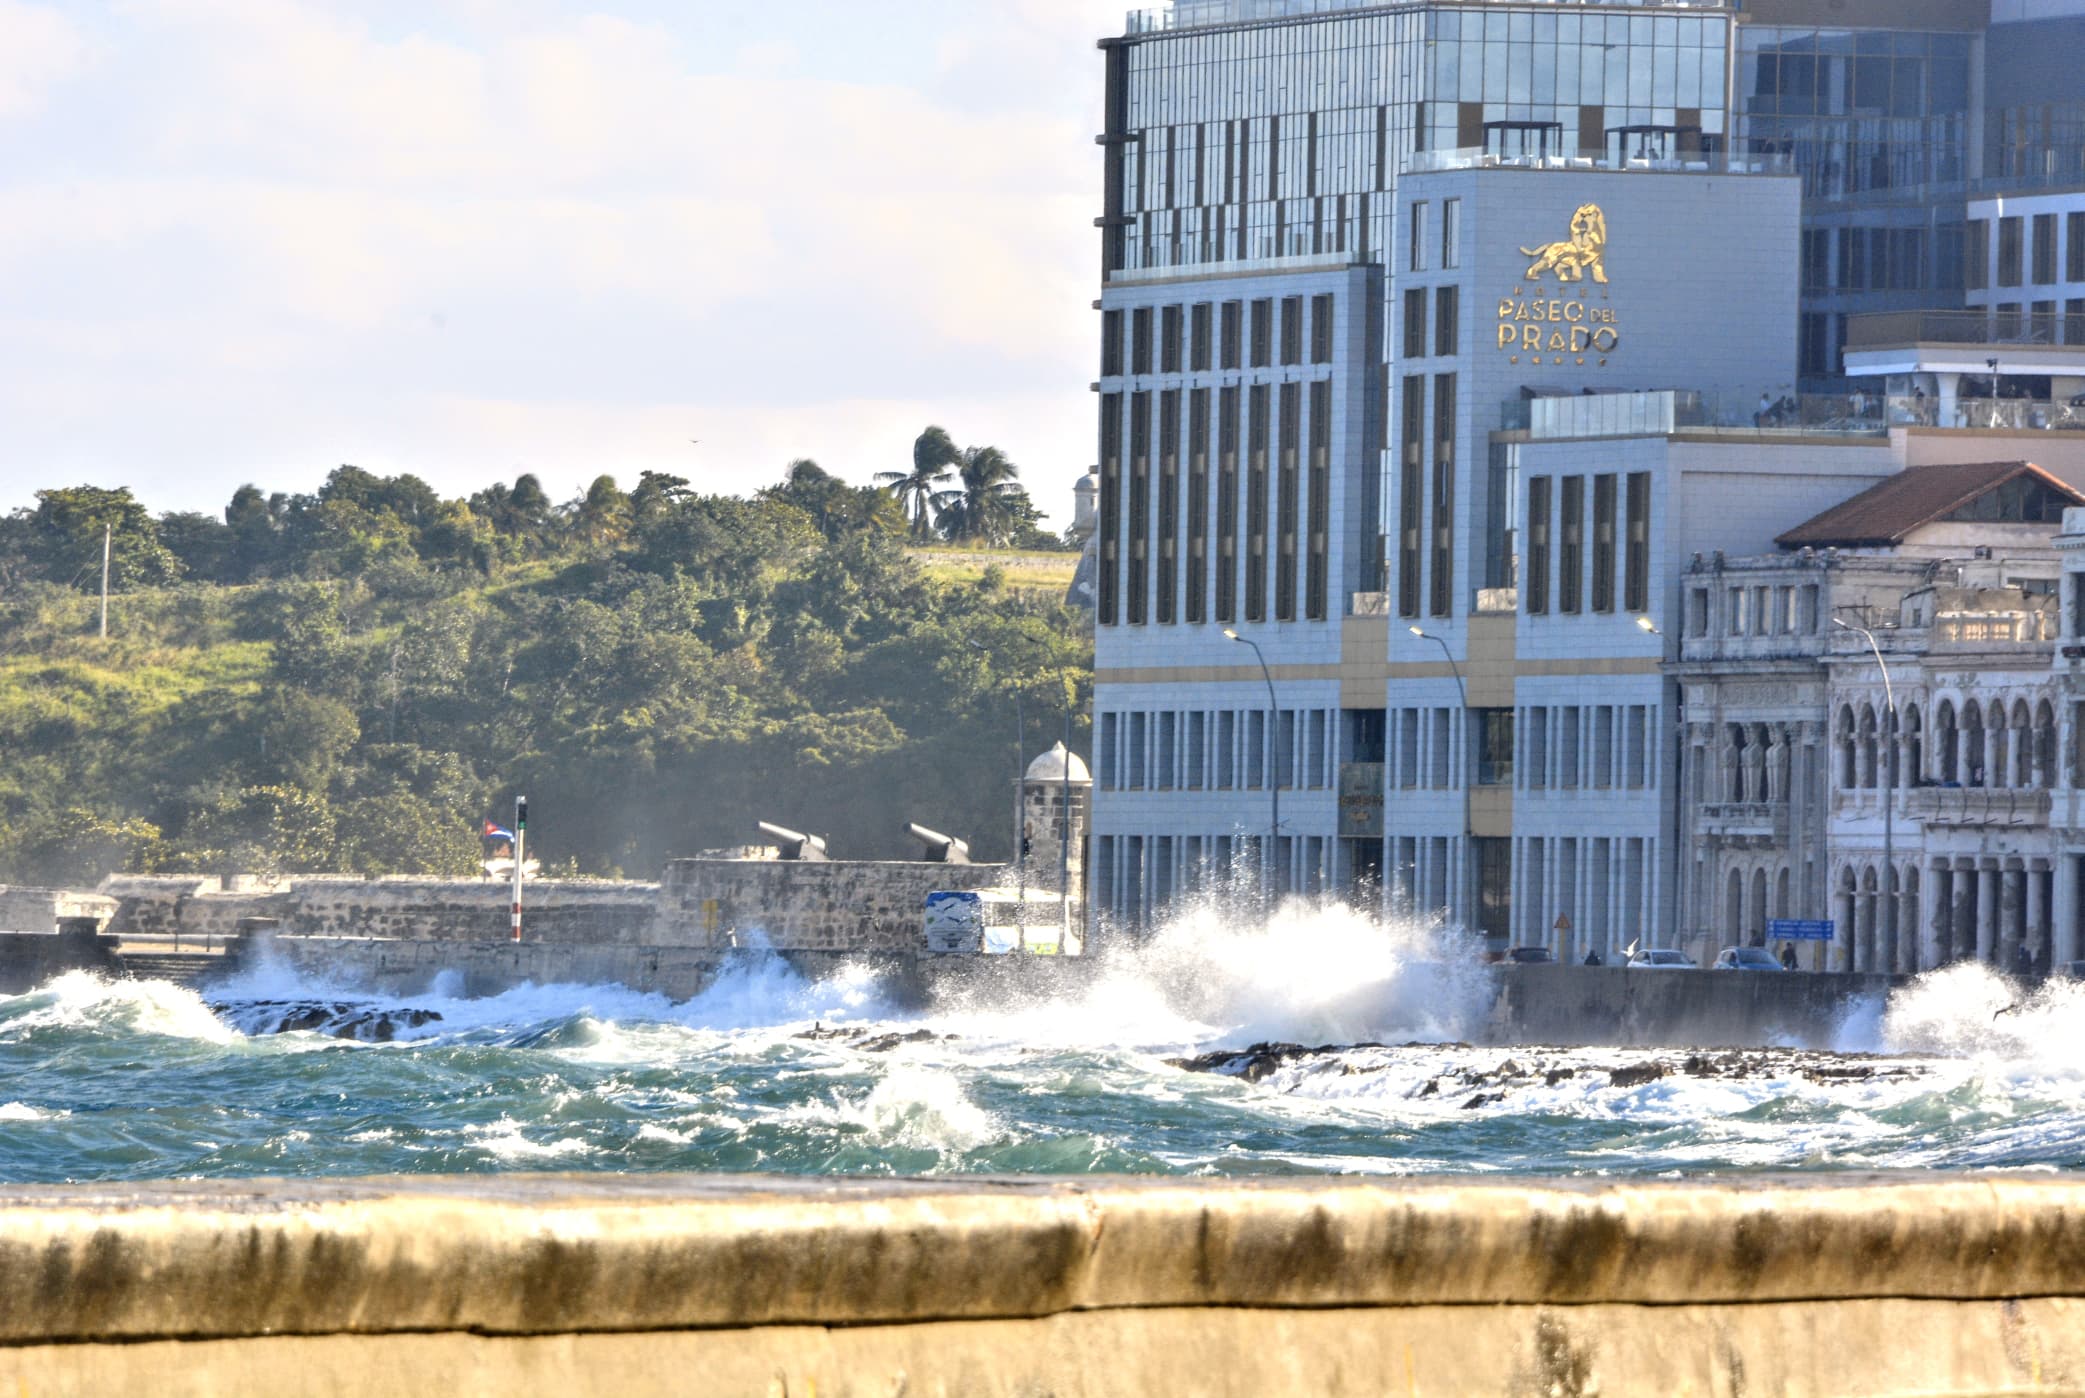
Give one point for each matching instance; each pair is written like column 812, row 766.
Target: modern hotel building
column 1438, row 340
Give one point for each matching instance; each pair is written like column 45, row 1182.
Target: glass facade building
column 1241, row 142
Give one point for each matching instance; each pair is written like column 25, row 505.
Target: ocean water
column 1147, row 1071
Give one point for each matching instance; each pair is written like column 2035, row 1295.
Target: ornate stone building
column 1881, row 696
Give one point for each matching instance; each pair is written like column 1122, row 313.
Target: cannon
column 796, row 847
column 940, row 848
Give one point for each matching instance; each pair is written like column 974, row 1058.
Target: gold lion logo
column 1584, row 251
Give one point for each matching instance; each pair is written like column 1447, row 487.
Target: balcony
column 1906, row 329
column 2011, row 807
column 1744, row 820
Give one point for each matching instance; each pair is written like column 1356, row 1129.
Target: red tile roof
column 1887, row 512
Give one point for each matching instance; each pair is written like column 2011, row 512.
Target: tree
column 203, row 545
column 602, row 515
column 981, row 509
column 934, row 456
column 837, row 508
column 67, row 526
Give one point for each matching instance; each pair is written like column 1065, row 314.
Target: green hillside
column 355, row 680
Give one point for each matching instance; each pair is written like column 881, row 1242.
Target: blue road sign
column 1782, row 929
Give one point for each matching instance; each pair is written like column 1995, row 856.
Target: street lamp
column 1461, row 690
column 1273, row 775
column 1648, row 627
column 1020, row 771
column 1889, row 801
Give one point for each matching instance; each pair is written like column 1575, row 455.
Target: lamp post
column 1273, row 774
column 1020, row 771
column 1889, row 801
column 1679, row 782
column 1463, row 692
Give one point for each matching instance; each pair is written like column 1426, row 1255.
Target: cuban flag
column 494, row 832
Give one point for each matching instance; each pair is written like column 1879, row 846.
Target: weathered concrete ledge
column 1875, row 1284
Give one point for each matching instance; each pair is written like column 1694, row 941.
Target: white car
column 1662, row 959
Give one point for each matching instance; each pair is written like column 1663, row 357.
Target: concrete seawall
column 581, row 1285
column 1614, row 1005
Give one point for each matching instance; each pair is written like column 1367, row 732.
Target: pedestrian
column 2023, row 962
column 1788, row 956
column 1592, row 958
column 1766, row 410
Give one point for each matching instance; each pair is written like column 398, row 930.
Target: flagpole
column 520, row 834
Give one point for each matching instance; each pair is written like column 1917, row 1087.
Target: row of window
column 1140, row 876
column 1217, row 750
column 1212, row 507
column 1418, row 246
column 1198, row 338
column 1778, row 609
column 1572, row 747
column 1424, row 502
column 2015, row 265
column 1562, row 540
column 1447, row 321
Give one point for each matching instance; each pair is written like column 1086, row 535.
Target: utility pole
column 108, row 540
column 520, row 836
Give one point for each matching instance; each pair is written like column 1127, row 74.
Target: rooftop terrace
column 1201, row 14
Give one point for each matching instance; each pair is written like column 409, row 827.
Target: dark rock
column 1636, row 1074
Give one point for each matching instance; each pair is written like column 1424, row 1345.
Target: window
column 2010, row 236
column 1319, row 521
column 1140, row 340
column 1288, row 484
column 1451, row 233
column 1233, row 334
column 2044, row 249
column 1603, row 543
column 1321, row 329
column 1418, row 239
column 1636, row 570
column 1446, row 332
column 1168, row 507
column 1110, row 343
column 1411, row 495
column 1139, row 536
column 1256, row 436
column 1262, row 334
column 1198, row 356
column 1415, row 322
column 2074, row 248
column 1198, row 505
column 1571, row 550
column 1227, row 504
column 1567, row 734
column 1169, row 340
column 1494, row 747
column 2077, row 586
column 1697, row 611
column 1292, row 330
column 1976, row 254
column 1443, row 579
column 1602, row 746
column 1110, row 543
column 1537, row 580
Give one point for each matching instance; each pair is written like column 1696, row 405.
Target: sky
column 252, row 240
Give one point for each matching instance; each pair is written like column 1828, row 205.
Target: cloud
column 39, row 48
column 550, row 239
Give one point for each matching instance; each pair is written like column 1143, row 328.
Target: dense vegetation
column 356, row 679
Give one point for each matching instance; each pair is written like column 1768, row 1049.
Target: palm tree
column 934, row 453
column 979, row 510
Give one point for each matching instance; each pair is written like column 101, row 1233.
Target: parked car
column 1531, row 956
column 1662, row 959
column 2070, row 970
column 1748, row 959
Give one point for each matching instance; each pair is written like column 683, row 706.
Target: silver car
column 1747, row 959
column 1662, row 959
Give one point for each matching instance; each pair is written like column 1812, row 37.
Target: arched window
column 1734, row 910
column 2044, row 745
column 1998, row 748
column 2023, row 745
column 1781, row 892
column 1973, row 756
column 1847, row 775
column 1759, row 903
column 1948, row 744
column 1868, row 749
column 1912, row 734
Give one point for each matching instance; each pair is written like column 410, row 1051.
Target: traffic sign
column 1563, row 922
column 1783, row 929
